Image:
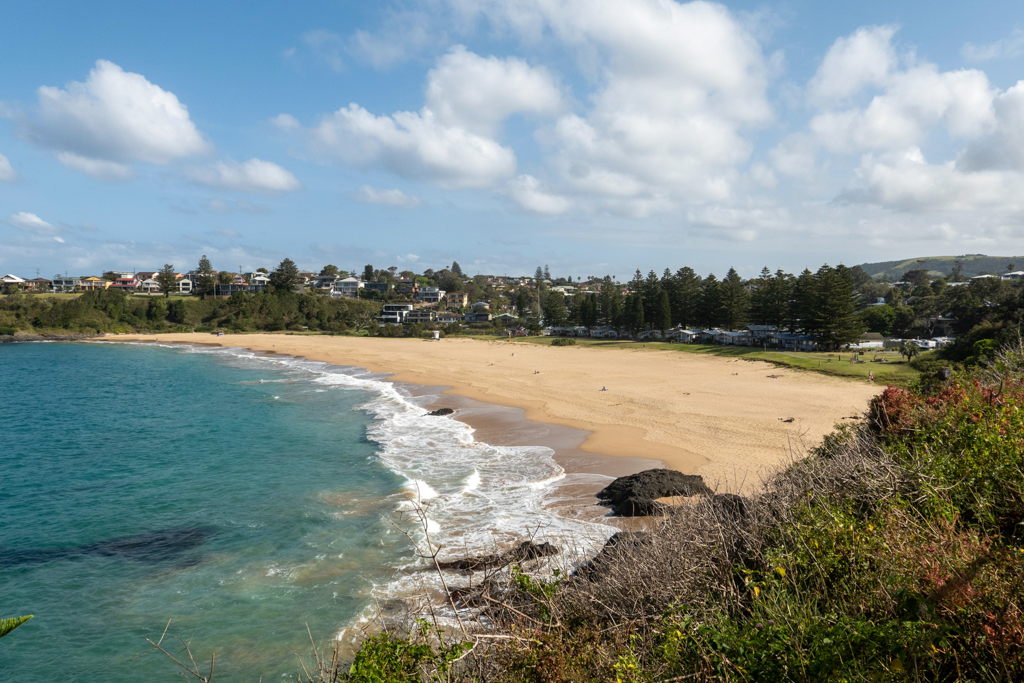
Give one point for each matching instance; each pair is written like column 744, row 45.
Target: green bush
column 8, row 331
column 563, row 341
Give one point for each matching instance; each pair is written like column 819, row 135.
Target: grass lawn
column 894, row 371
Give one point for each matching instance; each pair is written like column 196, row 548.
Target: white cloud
column 905, row 181
column 7, row 172
column 795, row 155
column 477, row 93
column 97, row 168
column 29, row 222
column 1004, row 147
column 414, row 145
column 402, row 35
column 526, row 191
column 115, row 116
column 58, row 239
column 1011, row 46
column 286, row 122
column 396, row 198
column 862, row 59
column 254, row 175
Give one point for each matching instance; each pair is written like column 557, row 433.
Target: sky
column 592, row 136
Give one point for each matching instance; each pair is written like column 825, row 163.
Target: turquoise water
column 263, row 502
column 241, row 496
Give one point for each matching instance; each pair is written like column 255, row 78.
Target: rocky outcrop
column 634, row 495
column 441, row 411
column 608, row 556
column 525, row 551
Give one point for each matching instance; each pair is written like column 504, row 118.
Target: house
column 449, row 318
column 146, row 275
column 481, row 306
column 759, row 332
column 93, row 283
column 379, row 287
column 421, row 315
column 507, row 319
column 114, row 274
column 186, row 283
column 1015, row 275
column 983, row 277
column 456, row 299
column 346, row 287
column 325, row 281
column 407, row 287
column 63, row 283
column 232, row 287
column 40, row 284
column 149, row 286
column 649, row 334
column 126, row 284
column 793, row 342
column 740, row 338
column 604, row 333
column 430, row 295
column 9, row 280
column 478, row 317
column 682, row 335
column 394, row 313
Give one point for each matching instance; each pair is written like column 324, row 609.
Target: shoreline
column 722, row 418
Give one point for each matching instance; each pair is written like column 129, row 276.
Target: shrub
column 563, row 341
column 8, row 331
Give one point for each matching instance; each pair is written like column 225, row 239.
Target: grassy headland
column 894, row 551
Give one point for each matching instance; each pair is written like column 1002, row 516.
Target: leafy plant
column 8, row 625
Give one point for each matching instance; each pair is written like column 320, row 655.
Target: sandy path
column 718, row 417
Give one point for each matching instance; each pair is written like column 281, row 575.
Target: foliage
column 563, row 341
column 165, row 278
column 8, row 625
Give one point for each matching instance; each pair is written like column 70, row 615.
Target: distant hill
column 938, row 266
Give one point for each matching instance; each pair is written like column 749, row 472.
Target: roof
column 12, row 278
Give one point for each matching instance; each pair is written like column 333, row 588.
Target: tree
column 588, row 311
column 802, row 303
column 663, row 313
column 539, row 274
column 735, row 301
column 547, row 273
column 879, row 318
column 835, row 307
column 554, row 310
column 684, row 294
column 261, row 270
column 224, row 277
column 330, row 271
column 168, row 283
column 368, row 273
column 710, row 301
column 770, row 303
column 956, row 274
column 916, row 277
column 456, row 270
column 633, row 314
column 204, row 277
column 285, row 277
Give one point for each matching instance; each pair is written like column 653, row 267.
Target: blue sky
column 594, row 136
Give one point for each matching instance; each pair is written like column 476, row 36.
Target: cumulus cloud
column 7, row 172
column 254, row 175
column 29, row 222
column 862, row 59
column 477, row 93
column 113, row 118
column 1011, row 46
column 527, row 192
column 396, row 198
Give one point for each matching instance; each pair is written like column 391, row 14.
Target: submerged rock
column 634, row 495
column 441, row 411
column 525, row 551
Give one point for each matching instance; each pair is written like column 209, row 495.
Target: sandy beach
column 726, row 419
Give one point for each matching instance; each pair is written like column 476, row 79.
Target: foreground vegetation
column 893, row 552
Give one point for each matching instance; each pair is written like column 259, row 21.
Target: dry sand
column 721, row 418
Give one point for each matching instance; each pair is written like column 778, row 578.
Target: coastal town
column 914, row 314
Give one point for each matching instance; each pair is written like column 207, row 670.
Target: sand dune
column 722, row 418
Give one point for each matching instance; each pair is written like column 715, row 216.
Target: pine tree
column 285, row 277
column 539, row 275
column 835, row 315
column 802, row 303
column 685, row 297
column 368, row 275
column 168, row 283
column 456, row 269
column 554, row 310
column 663, row 317
column 651, row 292
column 710, row 302
column 205, row 281
column 735, row 301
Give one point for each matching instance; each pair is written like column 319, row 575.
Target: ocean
column 241, row 496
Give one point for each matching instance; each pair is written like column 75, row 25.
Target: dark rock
column 525, row 551
column 633, row 496
column 945, row 374
column 442, row 411
column 734, row 505
column 607, row 557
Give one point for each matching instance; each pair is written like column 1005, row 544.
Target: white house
column 394, row 313
column 430, row 295
column 11, row 280
column 347, row 287
column 1015, row 275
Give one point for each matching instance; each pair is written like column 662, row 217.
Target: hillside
column 973, row 264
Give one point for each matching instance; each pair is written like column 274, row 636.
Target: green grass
column 894, row 371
